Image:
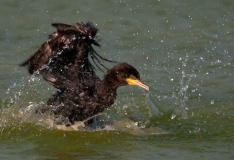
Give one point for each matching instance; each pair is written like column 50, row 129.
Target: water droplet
column 212, row 101
column 173, row 116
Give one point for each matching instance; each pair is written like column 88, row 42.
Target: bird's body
column 63, row 61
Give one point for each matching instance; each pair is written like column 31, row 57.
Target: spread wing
column 66, row 54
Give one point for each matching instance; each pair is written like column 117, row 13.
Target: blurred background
column 183, row 51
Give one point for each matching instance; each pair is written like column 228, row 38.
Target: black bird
column 63, row 61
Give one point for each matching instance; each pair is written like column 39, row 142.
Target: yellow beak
column 136, row 82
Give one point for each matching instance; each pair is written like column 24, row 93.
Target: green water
column 183, row 50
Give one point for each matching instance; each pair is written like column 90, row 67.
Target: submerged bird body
column 63, row 61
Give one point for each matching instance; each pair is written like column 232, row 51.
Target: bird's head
column 124, row 74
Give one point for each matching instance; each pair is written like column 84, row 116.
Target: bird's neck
column 106, row 91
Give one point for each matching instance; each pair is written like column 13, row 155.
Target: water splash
column 180, row 93
column 18, row 104
column 24, row 98
column 153, row 111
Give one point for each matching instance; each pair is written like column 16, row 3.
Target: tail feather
column 24, row 63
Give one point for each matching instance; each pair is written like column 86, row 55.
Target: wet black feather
column 63, row 61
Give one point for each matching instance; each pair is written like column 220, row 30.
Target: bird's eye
column 132, row 77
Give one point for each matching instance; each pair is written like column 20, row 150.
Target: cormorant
column 63, row 61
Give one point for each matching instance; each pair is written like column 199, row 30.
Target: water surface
column 183, row 50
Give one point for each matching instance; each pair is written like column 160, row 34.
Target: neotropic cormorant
column 63, row 61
